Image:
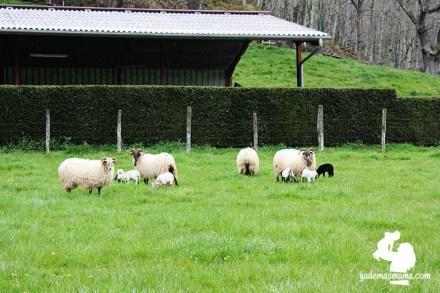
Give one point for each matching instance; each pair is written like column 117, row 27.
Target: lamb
column 151, row 166
column 88, row 174
column 248, row 162
column 132, row 175
column 287, row 175
column 296, row 160
column 165, row 179
column 309, row 174
column 325, row 168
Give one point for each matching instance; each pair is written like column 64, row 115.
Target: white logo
column 401, row 260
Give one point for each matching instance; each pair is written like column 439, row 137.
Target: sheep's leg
column 99, row 190
column 146, row 180
column 90, row 190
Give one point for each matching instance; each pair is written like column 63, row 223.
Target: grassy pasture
column 264, row 66
column 218, row 231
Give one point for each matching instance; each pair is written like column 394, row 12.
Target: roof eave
column 164, row 36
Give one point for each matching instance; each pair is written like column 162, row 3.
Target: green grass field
column 218, row 231
column 264, row 66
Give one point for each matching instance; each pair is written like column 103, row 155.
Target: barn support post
column 188, row 128
column 300, row 62
column 384, row 130
column 255, row 127
column 320, row 127
column 118, row 133
column 47, row 131
column 299, row 65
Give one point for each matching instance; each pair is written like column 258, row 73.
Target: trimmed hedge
column 221, row 116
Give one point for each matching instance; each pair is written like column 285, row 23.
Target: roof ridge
column 122, row 9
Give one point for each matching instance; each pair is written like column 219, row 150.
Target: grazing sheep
column 287, row 175
column 325, row 168
column 132, row 175
column 309, row 174
column 296, row 160
column 166, row 179
column 151, row 166
column 248, row 162
column 86, row 174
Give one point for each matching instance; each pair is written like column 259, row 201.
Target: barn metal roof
column 151, row 23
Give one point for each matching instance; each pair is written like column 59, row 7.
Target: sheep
column 309, row 174
column 165, row 179
column 296, row 160
column 248, row 162
column 287, row 175
column 132, row 175
column 86, row 174
column 151, row 166
column 325, row 168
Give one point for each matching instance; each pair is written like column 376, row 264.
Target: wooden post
column 255, row 126
column 47, row 131
column 118, row 132
column 320, row 127
column 384, row 129
column 188, row 128
column 299, row 65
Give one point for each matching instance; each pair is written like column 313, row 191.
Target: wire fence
column 247, row 131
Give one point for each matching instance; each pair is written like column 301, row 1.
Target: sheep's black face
column 136, row 155
column 308, row 156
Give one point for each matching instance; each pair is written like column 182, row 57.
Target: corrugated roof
column 152, row 23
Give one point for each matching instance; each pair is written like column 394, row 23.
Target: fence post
column 255, row 127
column 384, row 130
column 47, row 131
column 320, row 127
column 188, row 128
column 118, row 132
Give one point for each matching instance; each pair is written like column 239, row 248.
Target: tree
column 430, row 49
column 359, row 10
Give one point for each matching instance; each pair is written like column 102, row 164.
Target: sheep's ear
column 104, row 161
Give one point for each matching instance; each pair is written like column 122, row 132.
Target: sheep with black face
column 296, row 160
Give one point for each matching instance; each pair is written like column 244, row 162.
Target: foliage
column 221, row 116
column 263, row 66
column 218, row 231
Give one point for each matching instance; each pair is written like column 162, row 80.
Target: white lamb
column 287, row 175
column 88, row 174
column 132, row 175
column 151, row 166
column 296, row 160
column 248, row 162
column 309, row 174
column 166, row 179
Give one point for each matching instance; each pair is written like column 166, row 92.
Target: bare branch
column 433, row 9
column 407, row 12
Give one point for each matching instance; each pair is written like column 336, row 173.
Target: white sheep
column 309, row 174
column 151, row 166
column 132, row 175
column 88, row 174
column 248, row 162
column 165, row 179
column 296, row 160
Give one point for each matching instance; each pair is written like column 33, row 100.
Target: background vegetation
column 263, row 66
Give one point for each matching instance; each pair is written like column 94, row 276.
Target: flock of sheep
column 288, row 164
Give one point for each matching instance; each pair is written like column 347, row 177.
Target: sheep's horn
column 132, row 151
